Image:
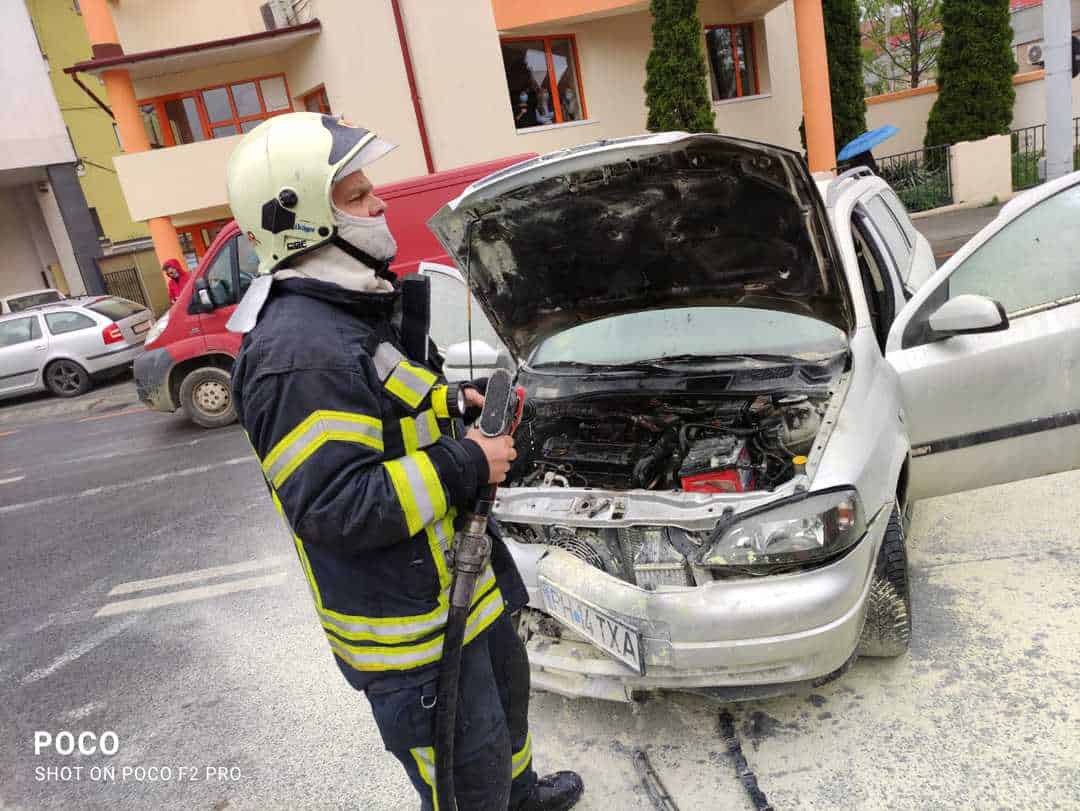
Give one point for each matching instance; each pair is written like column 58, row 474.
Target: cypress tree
column 975, row 70
column 842, row 42
column 676, row 88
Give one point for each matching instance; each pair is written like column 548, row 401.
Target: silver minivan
column 63, row 346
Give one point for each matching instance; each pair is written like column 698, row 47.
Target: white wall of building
column 25, row 254
column 32, row 131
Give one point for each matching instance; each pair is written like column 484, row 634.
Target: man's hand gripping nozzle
column 503, row 404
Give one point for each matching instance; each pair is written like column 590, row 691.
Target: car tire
column 66, row 378
column 887, row 630
column 206, row 396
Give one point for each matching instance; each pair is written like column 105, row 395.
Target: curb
column 101, row 400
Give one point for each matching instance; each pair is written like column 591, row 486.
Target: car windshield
column 115, row 308
column 679, row 332
column 33, row 300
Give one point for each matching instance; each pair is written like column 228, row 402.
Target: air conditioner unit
column 277, row 14
column 1034, row 54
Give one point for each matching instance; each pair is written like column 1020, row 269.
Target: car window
column 895, row 239
column 651, row 334
column 219, row 277
column 114, row 308
column 248, row 264
column 1032, row 262
column 19, row 303
column 896, row 208
column 59, row 323
column 18, row 331
column 449, row 314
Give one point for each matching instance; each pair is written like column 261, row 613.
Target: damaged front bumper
column 745, row 636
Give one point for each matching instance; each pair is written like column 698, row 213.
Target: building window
column 195, row 239
column 214, row 112
column 732, row 62
column 316, row 101
column 97, row 224
column 543, row 77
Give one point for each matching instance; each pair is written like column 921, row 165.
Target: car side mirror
column 968, row 314
column 201, row 301
column 484, row 356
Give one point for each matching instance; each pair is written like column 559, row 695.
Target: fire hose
column 471, row 551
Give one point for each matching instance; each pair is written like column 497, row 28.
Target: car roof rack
column 833, row 189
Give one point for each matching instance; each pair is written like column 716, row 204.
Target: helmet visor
column 370, row 152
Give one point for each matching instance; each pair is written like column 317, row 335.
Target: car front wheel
column 66, row 378
column 887, row 631
column 206, row 396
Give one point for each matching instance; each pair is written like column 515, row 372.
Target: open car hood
column 631, row 224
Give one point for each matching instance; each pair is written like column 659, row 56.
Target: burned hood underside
column 644, row 223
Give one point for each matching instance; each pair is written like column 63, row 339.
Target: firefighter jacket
column 357, row 443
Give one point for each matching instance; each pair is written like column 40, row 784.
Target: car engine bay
column 674, row 442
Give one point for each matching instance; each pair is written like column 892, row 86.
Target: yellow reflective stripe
column 374, row 658
column 439, row 402
column 419, row 432
column 410, row 383
column 394, row 630
column 440, row 535
column 304, row 562
column 519, row 761
column 314, row 432
column 419, row 491
column 425, row 764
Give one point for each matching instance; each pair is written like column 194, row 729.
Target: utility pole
column 1057, row 53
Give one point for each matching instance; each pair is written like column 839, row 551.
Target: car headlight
column 157, row 329
column 804, row 530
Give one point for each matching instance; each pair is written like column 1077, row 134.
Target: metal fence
column 921, row 178
column 1028, row 151
column 126, row 284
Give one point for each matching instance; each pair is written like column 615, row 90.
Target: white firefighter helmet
column 280, row 177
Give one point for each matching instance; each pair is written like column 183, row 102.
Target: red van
column 189, row 353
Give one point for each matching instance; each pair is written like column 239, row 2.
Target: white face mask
column 369, row 234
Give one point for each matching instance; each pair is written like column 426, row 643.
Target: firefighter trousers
column 492, row 747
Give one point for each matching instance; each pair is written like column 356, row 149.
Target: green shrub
column 975, row 71
column 842, row 42
column 676, row 85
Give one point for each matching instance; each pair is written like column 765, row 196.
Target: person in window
column 570, row 109
column 176, row 277
column 544, row 112
column 524, row 111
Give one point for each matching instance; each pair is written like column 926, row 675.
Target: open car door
column 988, row 351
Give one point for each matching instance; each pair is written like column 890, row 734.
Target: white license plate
column 615, row 638
column 141, row 327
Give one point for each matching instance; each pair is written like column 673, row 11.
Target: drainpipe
column 420, row 125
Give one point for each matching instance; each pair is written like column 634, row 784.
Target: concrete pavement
column 118, row 615
column 949, row 230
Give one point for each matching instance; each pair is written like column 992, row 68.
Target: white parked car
column 62, row 347
column 739, row 380
column 30, row 298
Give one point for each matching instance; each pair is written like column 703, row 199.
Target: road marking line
column 189, row 595
column 12, row 480
column 199, row 574
column 137, row 410
column 112, row 488
column 80, row 650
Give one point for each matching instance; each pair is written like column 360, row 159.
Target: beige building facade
column 203, row 71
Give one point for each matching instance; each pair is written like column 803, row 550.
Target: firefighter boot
column 555, row 792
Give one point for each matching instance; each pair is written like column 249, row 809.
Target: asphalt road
column 223, row 673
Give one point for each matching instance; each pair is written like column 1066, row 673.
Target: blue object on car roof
column 867, row 141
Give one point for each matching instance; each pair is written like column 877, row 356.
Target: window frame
column 194, row 233
column 321, row 95
column 196, row 95
column 556, row 102
column 733, row 28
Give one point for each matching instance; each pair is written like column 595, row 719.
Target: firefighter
column 362, row 445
